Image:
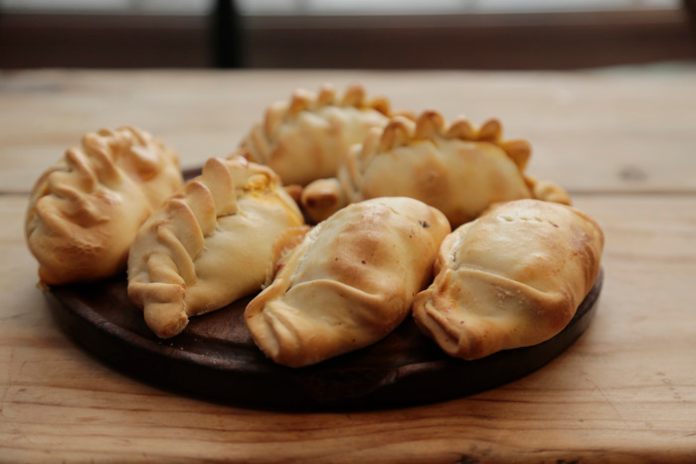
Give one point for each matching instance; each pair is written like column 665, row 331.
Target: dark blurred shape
column 477, row 41
column 29, row 40
column 690, row 8
column 227, row 36
column 224, row 38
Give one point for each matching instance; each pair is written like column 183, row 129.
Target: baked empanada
column 514, row 277
column 210, row 245
column 458, row 169
column 84, row 211
column 305, row 139
column 349, row 283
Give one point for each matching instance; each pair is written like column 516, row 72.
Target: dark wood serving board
column 215, row 357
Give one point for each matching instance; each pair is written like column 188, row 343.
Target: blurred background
column 364, row 34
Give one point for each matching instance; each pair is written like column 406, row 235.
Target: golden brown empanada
column 306, row 138
column 349, row 283
column 514, row 277
column 84, row 211
column 458, row 169
column 210, row 245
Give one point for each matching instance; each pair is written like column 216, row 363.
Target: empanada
column 305, row 139
column 84, row 211
column 349, row 283
column 210, row 245
column 514, row 277
column 458, row 169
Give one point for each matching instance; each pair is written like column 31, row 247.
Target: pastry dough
column 512, row 278
column 458, row 169
column 210, row 245
column 306, row 138
column 349, row 283
column 84, row 211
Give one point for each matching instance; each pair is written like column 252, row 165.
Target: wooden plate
column 215, row 357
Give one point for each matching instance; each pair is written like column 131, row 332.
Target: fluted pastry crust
column 84, row 211
column 457, row 168
column 306, row 138
column 512, row 278
column 209, row 246
column 349, row 283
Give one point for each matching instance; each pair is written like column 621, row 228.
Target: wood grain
column 625, row 392
column 590, row 131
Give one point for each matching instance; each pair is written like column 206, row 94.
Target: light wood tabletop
column 623, row 142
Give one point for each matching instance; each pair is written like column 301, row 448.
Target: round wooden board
column 215, row 357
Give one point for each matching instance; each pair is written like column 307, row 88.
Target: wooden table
column 623, row 143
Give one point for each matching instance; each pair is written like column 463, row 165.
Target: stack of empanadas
column 457, row 168
column 210, row 245
column 388, row 189
column 84, row 211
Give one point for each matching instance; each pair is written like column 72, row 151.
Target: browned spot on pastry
column 359, row 247
column 430, row 181
column 323, row 200
column 295, row 192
